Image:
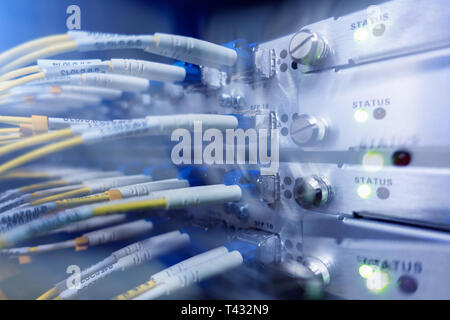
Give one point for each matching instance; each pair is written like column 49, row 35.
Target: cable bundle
column 84, row 200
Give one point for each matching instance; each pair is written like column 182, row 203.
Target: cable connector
column 193, row 72
column 192, row 50
column 246, row 179
column 260, row 246
column 197, row 273
column 245, row 55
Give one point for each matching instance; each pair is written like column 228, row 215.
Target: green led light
column 378, row 281
column 361, row 115
column 360, row 34
column 364, row 191
column 373, row 161
column 365, row 271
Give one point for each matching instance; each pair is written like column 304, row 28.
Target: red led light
column 401, row 158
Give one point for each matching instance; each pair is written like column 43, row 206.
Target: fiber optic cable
column 84, row 191
column 7, row 85
column 15, row 197
column 48, row 295
column 31, row 46
column 64, row 178
column 152, row 249
column 42, row 186
column 9, row 130
column 132, row 293
column 111, row 81
column 146, row 244
column 36, row 154
column 38, row 186
column 19, row 72
column 24, row 175
column 130, row 67
column 165, row 200
column 93, row 238
column 172, row 271
column 36, row 140
column 189, row 268
column 30, row 173
column 10, row 137
column 42, row 123
column 52, row 50
column 69, row 95
column 156, row 125
column 16, row 121
column 38, row 249
column 197, row 273
column 90, row 224
column 66, row 101
column 96, row 186
column 21, row 215
column 10, row 204
column 5, row 142
column 53, row 170
column 33, row 174
column 30, row 90
column 117, row 189
column 18, row 216
column 178, row 47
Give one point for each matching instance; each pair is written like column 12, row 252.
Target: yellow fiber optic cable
column 2, row 143
column 5, row 86
column 64, row 195
column 35, row 140
column 24, row 175
column 9, row 130
column 38, row 153
column 5, row 142
column 130, row 294
column 42, row 186
column 48, row 294
column 52, row 50
column 19, row 72
column 74, row 202
column 130, row 206
column 32, row 46
column 65, row 200
column 15, row 121
column 53, row 246
column 10, row 137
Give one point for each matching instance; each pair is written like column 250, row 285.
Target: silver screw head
column 307, row 130
column 308, row 48
column 313, row 191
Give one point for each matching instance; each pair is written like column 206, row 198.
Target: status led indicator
column 365, row 271
column 360, row 34
column 364, row 191
column 373, row 161
column 361, row 115
column 378, row 281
